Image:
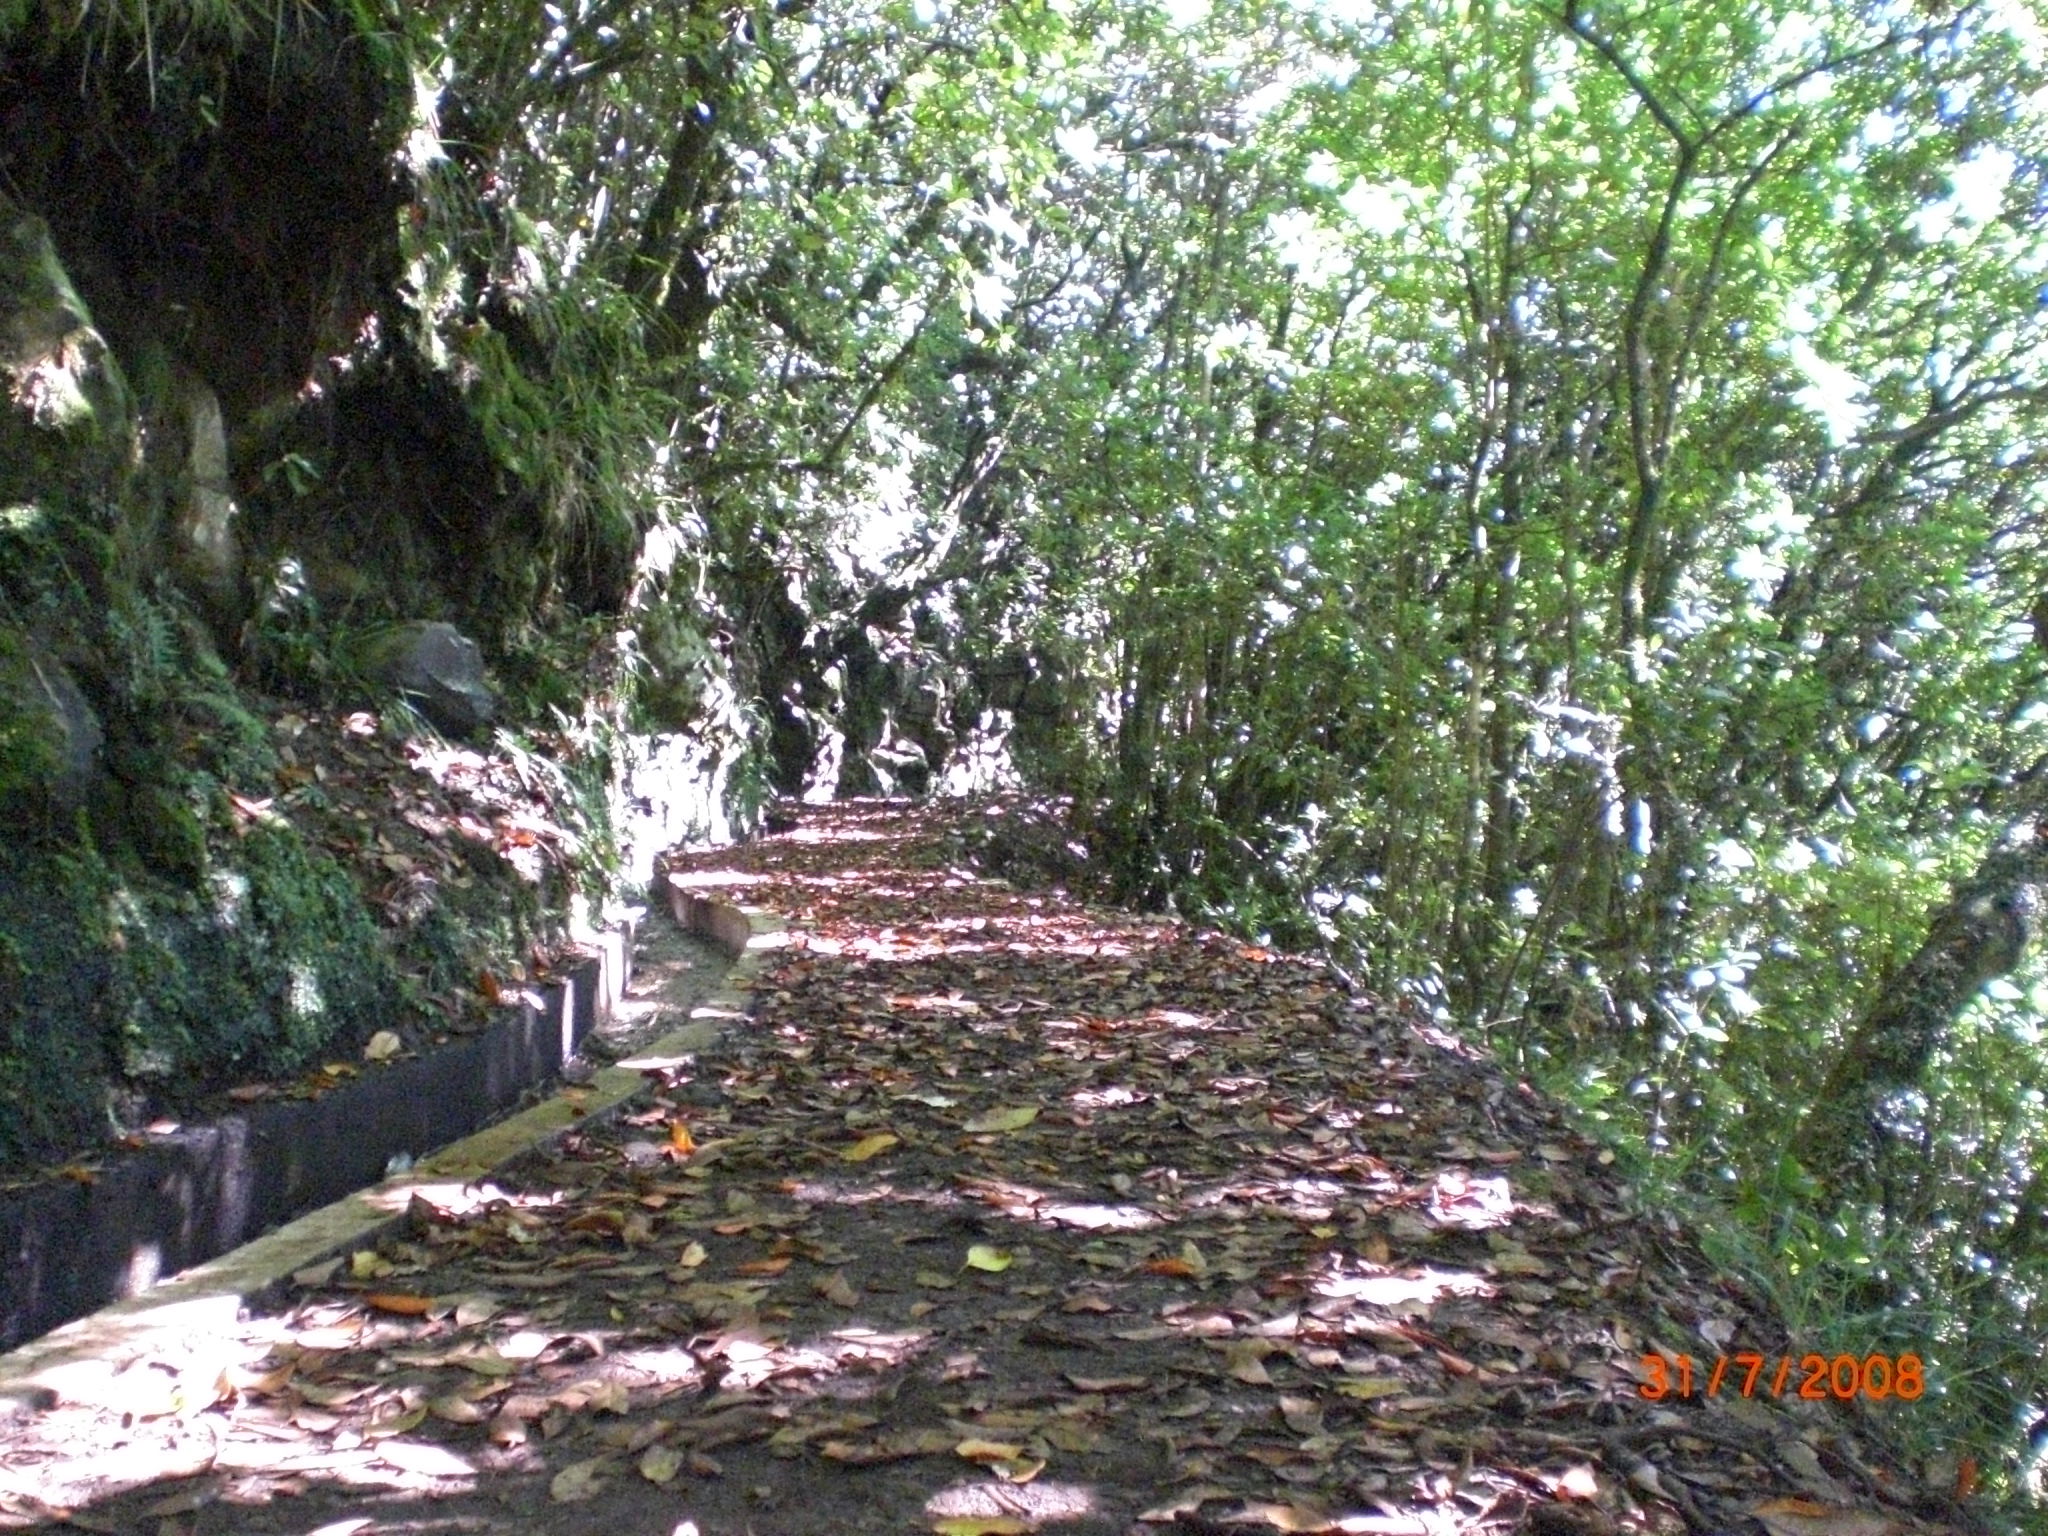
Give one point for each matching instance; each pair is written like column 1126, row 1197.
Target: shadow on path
column 1002, row 1214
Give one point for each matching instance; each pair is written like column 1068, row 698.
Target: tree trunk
column 1978, row 935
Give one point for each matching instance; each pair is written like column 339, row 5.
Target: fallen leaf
column 456, row 1410
column 264, row 1382
column 993, row 1260
column 1302, row 1415
column 998, row 1120
column 1187, row 1503
column 399, row 1424
column 1809, row 1517
column 426, row 1460
column 1247, row 1360
column 987, row 1451
column 1286, row 1517
column 660, row 1464
column 252, row 809
column 333, row 1394
column 1108, row 1383
column 577, row 1481
column 1367, row 1388
column 399, row 1302
column 183, row 1502
column 984, row 1525
column 1578, row 1482
column 382, row 1046
column 868, row 1146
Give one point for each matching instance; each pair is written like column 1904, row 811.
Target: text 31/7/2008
column 1875, row 1377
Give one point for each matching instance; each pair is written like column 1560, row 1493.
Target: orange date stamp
column 1815, row 1377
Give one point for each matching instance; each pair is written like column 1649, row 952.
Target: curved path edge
column 182, row 1313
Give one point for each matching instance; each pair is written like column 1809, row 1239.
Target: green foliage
column 28, row 752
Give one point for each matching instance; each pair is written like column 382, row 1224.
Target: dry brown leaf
column 987, row 1451
column 263, row 1383
column 399, row 1302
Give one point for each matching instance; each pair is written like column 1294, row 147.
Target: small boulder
column 901, row 768
column 439, row 668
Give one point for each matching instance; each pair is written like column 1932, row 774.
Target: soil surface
column 1002, row 1214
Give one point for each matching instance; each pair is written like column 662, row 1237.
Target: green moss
column 483, row 917
column 274, row 961
column 229, row 742
column 168, row 833
column 264, row 963
column 28, row 752
column 54, row 1064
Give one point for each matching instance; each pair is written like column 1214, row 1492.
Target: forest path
column 1006, row 1214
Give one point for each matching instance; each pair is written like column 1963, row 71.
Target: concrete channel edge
column 184, row 1316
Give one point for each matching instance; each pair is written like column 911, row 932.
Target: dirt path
column 1002, row 1215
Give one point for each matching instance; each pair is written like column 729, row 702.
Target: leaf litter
column 1004, row 1213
